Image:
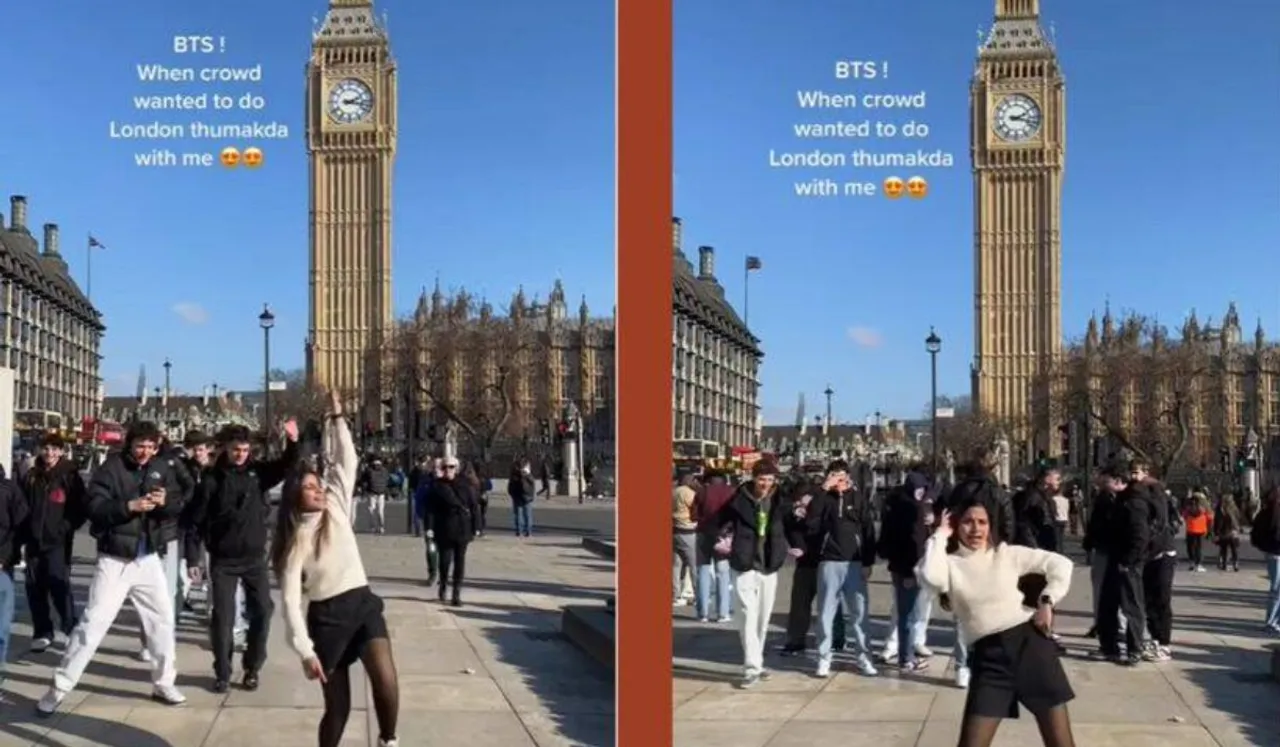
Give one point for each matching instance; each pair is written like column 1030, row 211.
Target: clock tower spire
column 351, row 146
column 1018, row 130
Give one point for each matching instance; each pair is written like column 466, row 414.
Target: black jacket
column 846, row 526
column 1033, row 519
column 1126, row 538
column 13, row 524
column 521, row 488
column 1163, row 517
column 57, row 505
column 1265, row 535
column 192, row 544
column 985, row 488
column 738, row 519
column 233, row 511
column 1098, row 528
column 903, row 531
column 377, row 480
column 454, row 511
column 119, row 480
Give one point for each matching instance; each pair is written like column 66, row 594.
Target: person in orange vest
column 1198, row 518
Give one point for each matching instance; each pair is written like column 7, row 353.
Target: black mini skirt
column 1018, row 665
column 341, row 626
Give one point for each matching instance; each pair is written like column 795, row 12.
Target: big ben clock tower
column 351, row 145
column 1017, row 125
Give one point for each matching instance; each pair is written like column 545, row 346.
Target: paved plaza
column 1216, row 691
column 494, row 673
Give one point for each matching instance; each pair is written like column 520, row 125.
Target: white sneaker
column 962, row 678
column 388, row 743
column 1200, row 569
column 824, row 668
column 724, row 619
column 144, row 656
column 40, row 645
column 865, row 667
column 169, row 695
column 923, row 651
column 50, row 702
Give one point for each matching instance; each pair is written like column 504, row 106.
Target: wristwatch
column 1046, row 600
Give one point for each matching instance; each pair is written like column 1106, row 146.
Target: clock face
column 1017, row 118
column 350, row 101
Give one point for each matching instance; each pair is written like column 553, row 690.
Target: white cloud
column 191, row 313
column 865, row 337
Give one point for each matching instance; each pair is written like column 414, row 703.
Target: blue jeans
column 961, row 651
column 712, row 571
column 906, row 591
column 1273, row 598
column 524, row 519
column 841, row 582
column 7, row 594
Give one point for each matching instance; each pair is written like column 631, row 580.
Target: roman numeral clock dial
column 350, row 101
column 1017, row 118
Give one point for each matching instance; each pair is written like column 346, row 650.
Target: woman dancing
column 316, row 557
column 1012, row 658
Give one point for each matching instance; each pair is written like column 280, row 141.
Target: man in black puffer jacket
column 908, row 518
column 232, row 515
column 1033, row 512
column 846, row 552
column 454, row 515
column 134, row 504
column 58, row 507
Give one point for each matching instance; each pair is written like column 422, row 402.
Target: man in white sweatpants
column 133, row 498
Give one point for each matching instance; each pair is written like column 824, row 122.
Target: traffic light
column 1240, row 460
column 1042, row 460
column 1224, row 459
column 544, row 431
column 388, row 412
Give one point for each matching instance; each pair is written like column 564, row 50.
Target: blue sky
column 505, row 172
column 1172, row 193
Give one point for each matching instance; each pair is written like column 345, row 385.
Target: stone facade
column 715, row 358
column 50, row 333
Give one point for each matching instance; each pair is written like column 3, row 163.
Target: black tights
column 1054, row 724
column 1228, row 553
column 383, row 682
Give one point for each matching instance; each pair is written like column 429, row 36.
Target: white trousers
column 755, row 593
column 377, row 512
column 142, row 582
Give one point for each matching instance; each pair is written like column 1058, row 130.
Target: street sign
column 277, row 386
column 945, row 412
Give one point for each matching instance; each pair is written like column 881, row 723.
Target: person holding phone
column 1012, row 658
column 134, row 504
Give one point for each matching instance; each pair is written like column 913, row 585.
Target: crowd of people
column 165, row 518
column 992, row 557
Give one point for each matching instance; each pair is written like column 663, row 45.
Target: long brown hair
column 289, row 517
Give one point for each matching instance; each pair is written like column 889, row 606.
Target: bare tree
column 962, row 404
column 967, row 432
column 463, row 363
column 1140, row 389
column 298, row 399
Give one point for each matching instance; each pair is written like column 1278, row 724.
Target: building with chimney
column 715, row 374
column 50, row 333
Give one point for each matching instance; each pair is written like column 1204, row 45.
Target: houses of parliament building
column 50, row 334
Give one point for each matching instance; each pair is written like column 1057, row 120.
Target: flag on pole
column 754, row 263
column 95, row 244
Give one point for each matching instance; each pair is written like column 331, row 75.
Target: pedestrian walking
column 57, row 506
column 13, row 525
column 846, row 558
column 521, row 488
column 130, row 513
column 453, row 519
column 1012, row 657
column 684, row 528
column 480, row 484
column 1198, row 520
column 232, row 513
column 422, row 510
column 1227, row 527
column 753, row 536
column 343, row 621
column 375, row 484
column 1265, row 537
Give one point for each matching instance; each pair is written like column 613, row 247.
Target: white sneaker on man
column 388, row 743
column 40, row 645
column 169, row 695
column 144, row 655
column 50, row 701
column 824, row 669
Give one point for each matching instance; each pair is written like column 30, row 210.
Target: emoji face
column 252, row 157
column 917, row 187
column 230, row 157
column 893, row 188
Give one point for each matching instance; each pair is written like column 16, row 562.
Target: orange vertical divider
column 644, row 373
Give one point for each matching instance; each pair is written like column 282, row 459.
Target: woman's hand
column 943, row 529
column 1043, row 619
column 335, row 403
column 313, row 670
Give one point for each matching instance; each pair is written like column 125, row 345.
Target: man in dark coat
column 454, row 516
column 58, row 506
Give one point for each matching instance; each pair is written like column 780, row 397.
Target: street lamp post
column 933, row 344
column 168, row 365
column 266, row 320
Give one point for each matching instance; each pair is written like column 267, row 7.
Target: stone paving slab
column 1215, row 693
column 494, row 673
